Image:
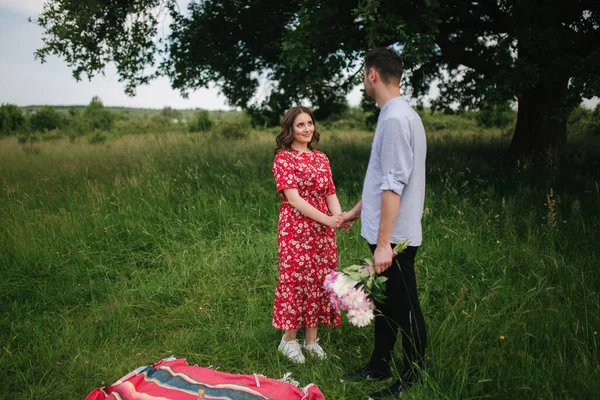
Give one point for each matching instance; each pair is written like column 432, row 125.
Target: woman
column 309, row 213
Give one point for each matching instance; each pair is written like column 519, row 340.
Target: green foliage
column 12, row 119
column 202, row 123
column 89, row 35
column 498, row 116
column 171, row 113
column 113, row 257
column 97, row 137
column 46, row 119
column 480, row 53
column 448, row 123
column 231, row 130
column 77, row 126
column 595, row 121
column 371, row 110
column 584, row 122
column 98, row 117
column 161, row 122
column 353, row 118
column 134, row 127
column 22, row 138
column 332, row 108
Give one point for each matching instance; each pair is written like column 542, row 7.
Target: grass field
column 116, row 255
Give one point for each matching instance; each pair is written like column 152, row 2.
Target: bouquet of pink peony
column 356, row 288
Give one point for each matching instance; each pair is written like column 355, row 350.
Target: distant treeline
column 33, row 123
column 98, row 122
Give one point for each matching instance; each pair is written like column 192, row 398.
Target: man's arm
column 396, row 158
column 390, row 205
column 353, row 214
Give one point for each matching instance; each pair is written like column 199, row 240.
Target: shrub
column 97, row 116
column 171, row 114
column 231, row 130
column 133, row 127
column 97, row 137
column 46, row 119
column 584, row 122
column 351, row 118
column 12, row 119
column 202, row 123
column 578, row 121
column 161, row 122
column 595, row 121
column 498, row 116
column 331, row 109
column 52, row 135
column 77, row 125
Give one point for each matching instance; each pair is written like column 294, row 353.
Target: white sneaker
column 315, row 350
column 291, row 350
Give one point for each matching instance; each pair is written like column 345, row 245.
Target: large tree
column 543, row 54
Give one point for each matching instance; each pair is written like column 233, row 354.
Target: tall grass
column 117, row 255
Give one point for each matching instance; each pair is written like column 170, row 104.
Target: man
column 390, row 210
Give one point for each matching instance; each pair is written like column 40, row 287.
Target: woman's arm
column 335, row 209
column 308, row 210
column 333, row 204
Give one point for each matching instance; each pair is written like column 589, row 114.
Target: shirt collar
column 389, row 103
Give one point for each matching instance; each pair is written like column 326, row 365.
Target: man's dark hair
column 387, row 62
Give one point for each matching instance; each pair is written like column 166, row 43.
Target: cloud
column 31, row 8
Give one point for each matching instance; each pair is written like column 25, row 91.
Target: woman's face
column 303, row 129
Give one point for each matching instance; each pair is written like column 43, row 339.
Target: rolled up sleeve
column 396, row 155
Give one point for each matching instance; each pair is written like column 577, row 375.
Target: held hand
column 382, row 258
column 346, row 226
column 346, row 222
column 334, row 221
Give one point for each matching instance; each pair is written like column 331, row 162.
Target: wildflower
column 551, row 205
column 502, row 337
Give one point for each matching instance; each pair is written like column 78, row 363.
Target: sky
column 25, row 81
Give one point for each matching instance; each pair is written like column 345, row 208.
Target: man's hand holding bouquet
column 357, row 287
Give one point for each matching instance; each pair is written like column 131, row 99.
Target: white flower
column 342, row 285
column 361, row 318
column 355, row 299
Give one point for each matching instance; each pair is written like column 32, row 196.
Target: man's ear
column 373, row 75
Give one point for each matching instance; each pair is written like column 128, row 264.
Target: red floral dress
column 307, row 249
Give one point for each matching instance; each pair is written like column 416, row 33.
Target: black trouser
column 400, row 310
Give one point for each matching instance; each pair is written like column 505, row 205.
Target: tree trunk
column 541, row 123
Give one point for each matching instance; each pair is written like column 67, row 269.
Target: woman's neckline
column 302, row 152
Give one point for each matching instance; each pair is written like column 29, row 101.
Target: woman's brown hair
column 285, row 138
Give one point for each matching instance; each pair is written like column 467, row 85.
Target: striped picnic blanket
column 174, row 379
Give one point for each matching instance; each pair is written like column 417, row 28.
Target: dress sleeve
column 283, row 171
column 330, row 185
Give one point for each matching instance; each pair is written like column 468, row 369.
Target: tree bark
column 541, row 128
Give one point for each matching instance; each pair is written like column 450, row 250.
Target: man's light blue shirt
column 397, row 163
